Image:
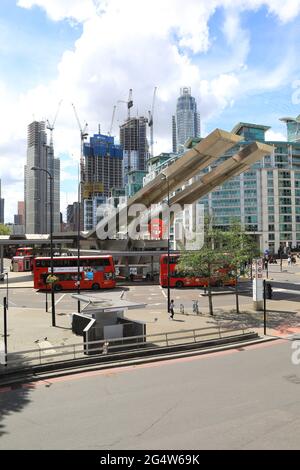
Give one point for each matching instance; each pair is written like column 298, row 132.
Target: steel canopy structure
column 207, row 151
column 231, row 167
column 178, row 173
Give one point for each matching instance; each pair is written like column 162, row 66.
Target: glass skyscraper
column 186, row 123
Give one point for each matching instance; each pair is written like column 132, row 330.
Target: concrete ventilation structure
column 103, row 172
column 36, row 183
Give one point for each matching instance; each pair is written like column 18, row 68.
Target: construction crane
column 112, row 120
column 51, row 126
column 150, row 122
column 129, row 103
column 83, row 136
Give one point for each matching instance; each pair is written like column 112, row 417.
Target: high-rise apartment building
column 293, row 128
column 133, row 138
column 103, row 171
column 72, row 217
column 186, row 122
column 37, row 183
column 265, row 199
column 1, row 207
column 19, row 218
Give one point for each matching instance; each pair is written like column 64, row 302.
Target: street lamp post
column 34, row 168
column 165, row 178
column 78, row 243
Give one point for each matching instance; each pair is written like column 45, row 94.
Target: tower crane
column 112, row 120
column 150, row 122
column 83, row 136
column 129, row 103
column 51, row 126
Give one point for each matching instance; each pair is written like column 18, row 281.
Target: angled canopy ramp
column 204, row 154
column 231, row 167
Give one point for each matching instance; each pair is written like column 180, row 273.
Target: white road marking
column 163, row 292
column 57, row 301
column 287, row 291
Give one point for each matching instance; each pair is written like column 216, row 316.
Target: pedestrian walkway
column 29, row 328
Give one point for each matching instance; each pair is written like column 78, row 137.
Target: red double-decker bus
column 96, row 272
column 24, row 251
column 177, row 279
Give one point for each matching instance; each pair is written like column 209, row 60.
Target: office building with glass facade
column 266, row 198
column 292, row 128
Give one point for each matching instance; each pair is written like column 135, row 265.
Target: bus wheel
column 179, row 284
column 57, row 288
column 95, row 287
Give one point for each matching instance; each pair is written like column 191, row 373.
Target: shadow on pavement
column 276, row 319
column 14, row 399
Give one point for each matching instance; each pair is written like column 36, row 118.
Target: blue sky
column 240, row 59
column 31, row 45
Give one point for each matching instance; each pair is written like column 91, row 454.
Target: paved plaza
column 29, row 324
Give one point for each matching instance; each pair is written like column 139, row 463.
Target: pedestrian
column 171, row 309
column 289, row 260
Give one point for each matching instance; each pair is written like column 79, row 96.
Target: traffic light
column 269, row 291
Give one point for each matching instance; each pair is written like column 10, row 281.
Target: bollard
column 195, row 307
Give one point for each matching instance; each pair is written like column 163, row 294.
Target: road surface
column 239, row 399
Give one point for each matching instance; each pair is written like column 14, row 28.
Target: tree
column 239, row 248
column 204, row 262
column 4, row 230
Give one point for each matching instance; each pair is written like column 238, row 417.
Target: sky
column 239, row 57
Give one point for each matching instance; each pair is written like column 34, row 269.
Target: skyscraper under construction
column 133, row 138
column 102, row 172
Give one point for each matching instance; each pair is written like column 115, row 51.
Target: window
column 284, row 184
column 285, row 236
column 286, row 192
column 286, row 210
column 285, row 218
column 271, row 236
column 285, row 201
column 271, row 228
column 284, row 174
column 285, row 227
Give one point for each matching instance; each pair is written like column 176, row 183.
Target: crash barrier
column 108, row 347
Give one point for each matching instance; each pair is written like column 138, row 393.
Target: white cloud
column 275, row 136
column 78, row 10
column 135, row 44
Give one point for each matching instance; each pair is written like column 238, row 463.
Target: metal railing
column 109, row 347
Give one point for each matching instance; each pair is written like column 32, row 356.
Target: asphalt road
column 242, row 399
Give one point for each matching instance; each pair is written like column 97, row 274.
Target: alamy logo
column 184, row 224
